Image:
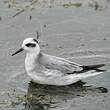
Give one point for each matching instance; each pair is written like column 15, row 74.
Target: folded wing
column 60, row 64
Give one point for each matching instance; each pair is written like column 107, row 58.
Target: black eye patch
column 35, row 40
column 30, row 45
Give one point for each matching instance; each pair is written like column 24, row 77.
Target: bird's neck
column 32, row 55
column 31, row 60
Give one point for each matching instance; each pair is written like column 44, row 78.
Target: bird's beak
column 20, row 50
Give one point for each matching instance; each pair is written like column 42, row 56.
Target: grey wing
column 61, row 64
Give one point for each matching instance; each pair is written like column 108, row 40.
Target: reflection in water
column 41, row 97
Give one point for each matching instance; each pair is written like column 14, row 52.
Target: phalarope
column 51, row 70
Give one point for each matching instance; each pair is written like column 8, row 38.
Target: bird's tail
column 89, row 74
column 84, row 75
column 89, row 71
column 94, row 67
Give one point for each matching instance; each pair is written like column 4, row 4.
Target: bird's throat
column 30, row 62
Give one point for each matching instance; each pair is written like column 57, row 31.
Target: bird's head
column 30, row 45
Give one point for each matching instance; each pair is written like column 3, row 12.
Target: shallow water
column 80, row 34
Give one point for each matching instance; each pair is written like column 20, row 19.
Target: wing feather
column 60, row 64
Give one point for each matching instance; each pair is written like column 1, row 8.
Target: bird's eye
column 30, row 45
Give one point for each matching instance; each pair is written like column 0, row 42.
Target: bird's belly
column 50, row 79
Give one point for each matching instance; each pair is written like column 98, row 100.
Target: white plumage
column 52, row 70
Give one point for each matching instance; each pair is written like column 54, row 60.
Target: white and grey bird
column 51, row 70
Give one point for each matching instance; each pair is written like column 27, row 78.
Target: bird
column 47, row 69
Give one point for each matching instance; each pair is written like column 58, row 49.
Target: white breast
column 30, row 63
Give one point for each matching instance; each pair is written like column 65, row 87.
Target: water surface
column 80, row 34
